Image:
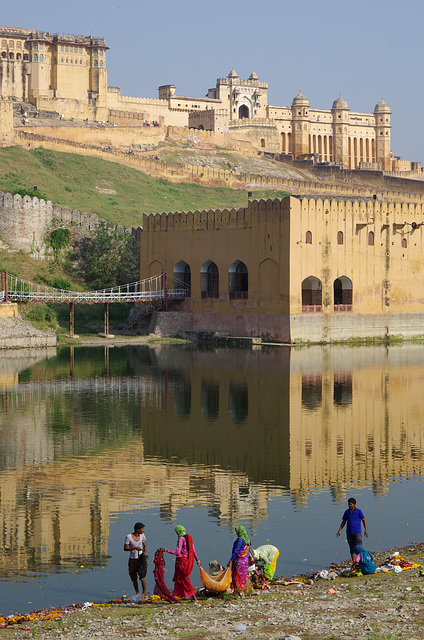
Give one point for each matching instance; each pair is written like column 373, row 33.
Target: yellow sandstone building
column 66, row 76
column 295, row 269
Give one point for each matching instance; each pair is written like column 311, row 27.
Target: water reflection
column 224, row 429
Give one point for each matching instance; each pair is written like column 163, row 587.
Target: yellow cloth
column 218, row 583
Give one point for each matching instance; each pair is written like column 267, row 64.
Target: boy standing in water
column 353, row 517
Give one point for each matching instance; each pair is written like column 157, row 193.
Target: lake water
column 277, row 439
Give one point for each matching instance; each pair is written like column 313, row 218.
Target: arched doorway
column 238, row 281
column 342, row 294
column 311, row 295
column 243, row 111
column 182, row 277
column 209, row 280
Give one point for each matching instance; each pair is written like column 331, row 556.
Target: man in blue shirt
column 353, row 517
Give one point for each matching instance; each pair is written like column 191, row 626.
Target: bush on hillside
column 108, row 257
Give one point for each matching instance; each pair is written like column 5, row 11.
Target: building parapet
column 251, row 122
column 243, row 83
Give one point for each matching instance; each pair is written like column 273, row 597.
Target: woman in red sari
column 185, row 555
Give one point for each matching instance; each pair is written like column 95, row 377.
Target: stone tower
column 300, row 119
column 6, row 121
column 340, row 111
column 382, row 115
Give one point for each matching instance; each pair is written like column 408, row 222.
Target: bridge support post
column 72, row 318
column 106, row 318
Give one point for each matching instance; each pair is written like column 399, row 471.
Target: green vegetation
column 114, row 192
column 108, row 257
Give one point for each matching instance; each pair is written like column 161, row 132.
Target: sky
column 364, row 50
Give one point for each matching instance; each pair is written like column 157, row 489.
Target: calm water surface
column 95, row 439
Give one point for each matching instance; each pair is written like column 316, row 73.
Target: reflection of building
column 295, row 269
column 205, row 427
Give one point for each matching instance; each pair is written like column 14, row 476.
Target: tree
column 108, row 257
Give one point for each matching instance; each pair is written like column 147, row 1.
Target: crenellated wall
column 312, row 268
column 25, row 222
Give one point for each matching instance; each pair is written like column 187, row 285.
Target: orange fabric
column 216, row 584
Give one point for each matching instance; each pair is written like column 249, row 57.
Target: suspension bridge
column 153, row 290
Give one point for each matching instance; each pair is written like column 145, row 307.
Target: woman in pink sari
column 185, row 555
column 239, row 561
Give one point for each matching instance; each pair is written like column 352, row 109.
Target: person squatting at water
column 353, row 517
column 267, row 556
column 185, row 555
column 239, row 560
column 135, row 543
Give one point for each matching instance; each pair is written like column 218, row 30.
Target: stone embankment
column 17, row 334
column 383, row 606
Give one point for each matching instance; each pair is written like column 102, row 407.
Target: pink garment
column 181, row 550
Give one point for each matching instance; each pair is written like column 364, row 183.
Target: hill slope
column 113, row 191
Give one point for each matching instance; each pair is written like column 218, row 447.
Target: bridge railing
column 151, row 289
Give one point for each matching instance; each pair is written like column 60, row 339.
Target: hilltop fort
column 64, row 77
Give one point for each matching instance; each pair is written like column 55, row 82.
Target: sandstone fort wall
column 399, row 190
column 25, row 222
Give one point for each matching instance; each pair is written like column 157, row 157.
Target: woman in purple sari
column 239, row 560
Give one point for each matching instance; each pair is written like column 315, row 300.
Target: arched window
column 42, row 58
column 35, row 58
column 339, row 237
column 95, row 63
column 371, row 239
column 311, row 295
column 3, row 54
column 263, row 143
column 19, row 56
column 342, row 294
column 404, row 243
column 182, row 277
column 19, row 45
column 209, row 280
column 4, row 44
column 308, row 237
column 11, row 44
column 11, row 55
column 238, row 281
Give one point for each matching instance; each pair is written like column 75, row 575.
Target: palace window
column 209, row 280
column 404, row 243
column 308, row 237
column 311, row 295
column 342, row 289
column 371, row 239
column 238, row 281
column 340, row 237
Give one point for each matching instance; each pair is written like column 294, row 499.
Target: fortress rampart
column 25, row 221
column 406, row 191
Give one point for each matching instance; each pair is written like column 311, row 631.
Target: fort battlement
column 198, row 220
column 25, row 221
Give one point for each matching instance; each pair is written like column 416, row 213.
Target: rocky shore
column 382, row 606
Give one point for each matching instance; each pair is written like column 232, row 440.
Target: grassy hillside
column 112, row 191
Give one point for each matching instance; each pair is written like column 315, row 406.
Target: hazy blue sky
column 365, row 50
